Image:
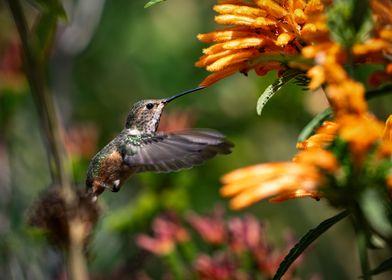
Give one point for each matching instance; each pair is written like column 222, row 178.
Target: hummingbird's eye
column 149, row 106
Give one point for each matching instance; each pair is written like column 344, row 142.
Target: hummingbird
column 139, row 148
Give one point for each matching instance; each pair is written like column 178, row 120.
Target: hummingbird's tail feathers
column 166, row 152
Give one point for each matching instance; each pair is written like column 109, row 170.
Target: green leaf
column 152, row 2
column 45, row 27
column 315, row 123
column 302, row 81
column 382, row 267
column 361, row 237
column 339, row 16
column 377, row 209
column 54, row 7
column 275, row 87
column 305, row 241
column 349, row 21
column 44, row 31
column 361, row 17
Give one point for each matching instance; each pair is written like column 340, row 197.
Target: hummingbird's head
column 144, row 115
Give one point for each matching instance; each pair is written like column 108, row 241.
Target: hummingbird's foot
column 116, row 186
column 93, row 196
column 106, row 187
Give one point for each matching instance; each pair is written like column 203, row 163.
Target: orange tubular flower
column 259, row 28
column 330, row 56
column 376, row 49
column 361, row 132
column 386, row 148
column 379, row 48
column 387, row 133
column 323, row 137
column 307, row 174
column 286, row 27
column 347, row 97
column 283, row 180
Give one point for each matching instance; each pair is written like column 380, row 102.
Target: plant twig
column 363, row 255
column 361, row 236
column 35, row 72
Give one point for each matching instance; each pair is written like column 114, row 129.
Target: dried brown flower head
column 51, row 214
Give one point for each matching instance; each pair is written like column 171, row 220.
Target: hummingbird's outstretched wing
column 165, row 152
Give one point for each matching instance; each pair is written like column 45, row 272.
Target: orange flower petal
column 251, row 171
column 361, row 132
column 382, row 11
column 244, row 43
column 223, row 35
column 334, row 73
column 237, row 187
column 216, row 76
column 371, row 45
column 264, row 67
column 386, row 33
column 347, row 97
column 297, row 4
column 241, row 179
column 259, row 22
column 387, row 133
column 317, row 76
column 239, row 10
column 217, row 48
column 294, row 179
column 315, row 32
column 318, row 157
column 314, row 50
column 207, row 59
column 314, row 6
column 323, row 137
column 284, row 38
column 237, row 2
column 388, row 69
column 300, row 193
column 270, row 188
column 272, row 8
column 228, row 60
column 389, row 181
column 299, row 16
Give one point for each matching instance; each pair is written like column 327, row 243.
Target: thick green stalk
column 361, row 232
column 363, row 255
column 35, row 73
column 175, row 264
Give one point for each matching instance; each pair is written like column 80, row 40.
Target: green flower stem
column 188, row 249
column 35, row 72
column 363, row 255
column 175, row 265
column 247, row 262
column 362, row 237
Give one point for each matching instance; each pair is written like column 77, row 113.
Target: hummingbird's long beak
column 167, row 100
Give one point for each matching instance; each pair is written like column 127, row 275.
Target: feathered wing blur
column 166, row 152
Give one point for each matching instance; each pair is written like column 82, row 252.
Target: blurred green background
column 110, row 54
